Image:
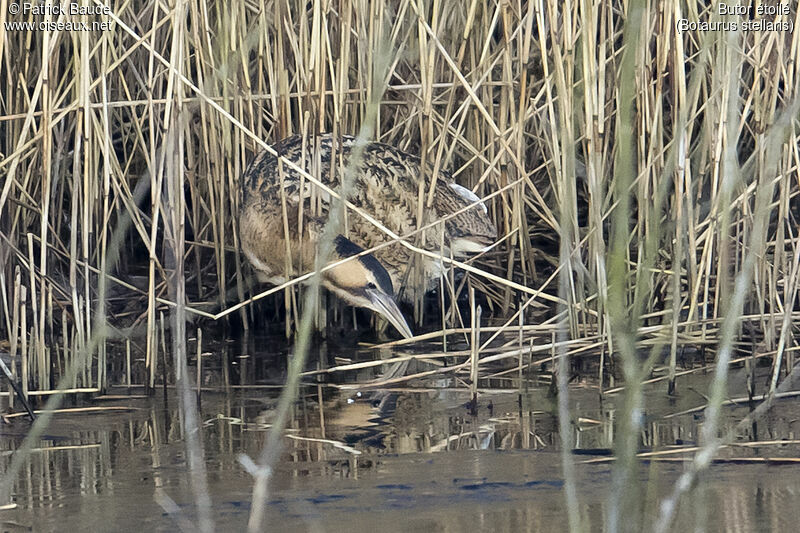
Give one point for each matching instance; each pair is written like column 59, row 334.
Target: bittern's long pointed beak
column 384, row 304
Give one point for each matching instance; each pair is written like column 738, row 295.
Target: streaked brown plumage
column 385, row 185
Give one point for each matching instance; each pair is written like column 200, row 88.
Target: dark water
column 401, row 460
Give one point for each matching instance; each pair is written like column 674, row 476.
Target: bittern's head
column 363, row 282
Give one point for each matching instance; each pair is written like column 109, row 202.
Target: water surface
column 403, row 459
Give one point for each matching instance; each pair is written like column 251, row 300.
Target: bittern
column 385, row 184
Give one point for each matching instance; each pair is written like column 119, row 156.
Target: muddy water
column 401, row 460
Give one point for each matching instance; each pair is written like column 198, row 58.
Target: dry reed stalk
column 78, row 410
column 475, row 339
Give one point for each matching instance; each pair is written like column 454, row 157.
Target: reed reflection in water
column 398, row 459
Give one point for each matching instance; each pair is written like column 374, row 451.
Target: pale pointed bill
column 387, row 307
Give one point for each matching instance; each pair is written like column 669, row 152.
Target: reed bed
column 643, row 178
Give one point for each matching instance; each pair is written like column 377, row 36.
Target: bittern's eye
column 371, row 285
